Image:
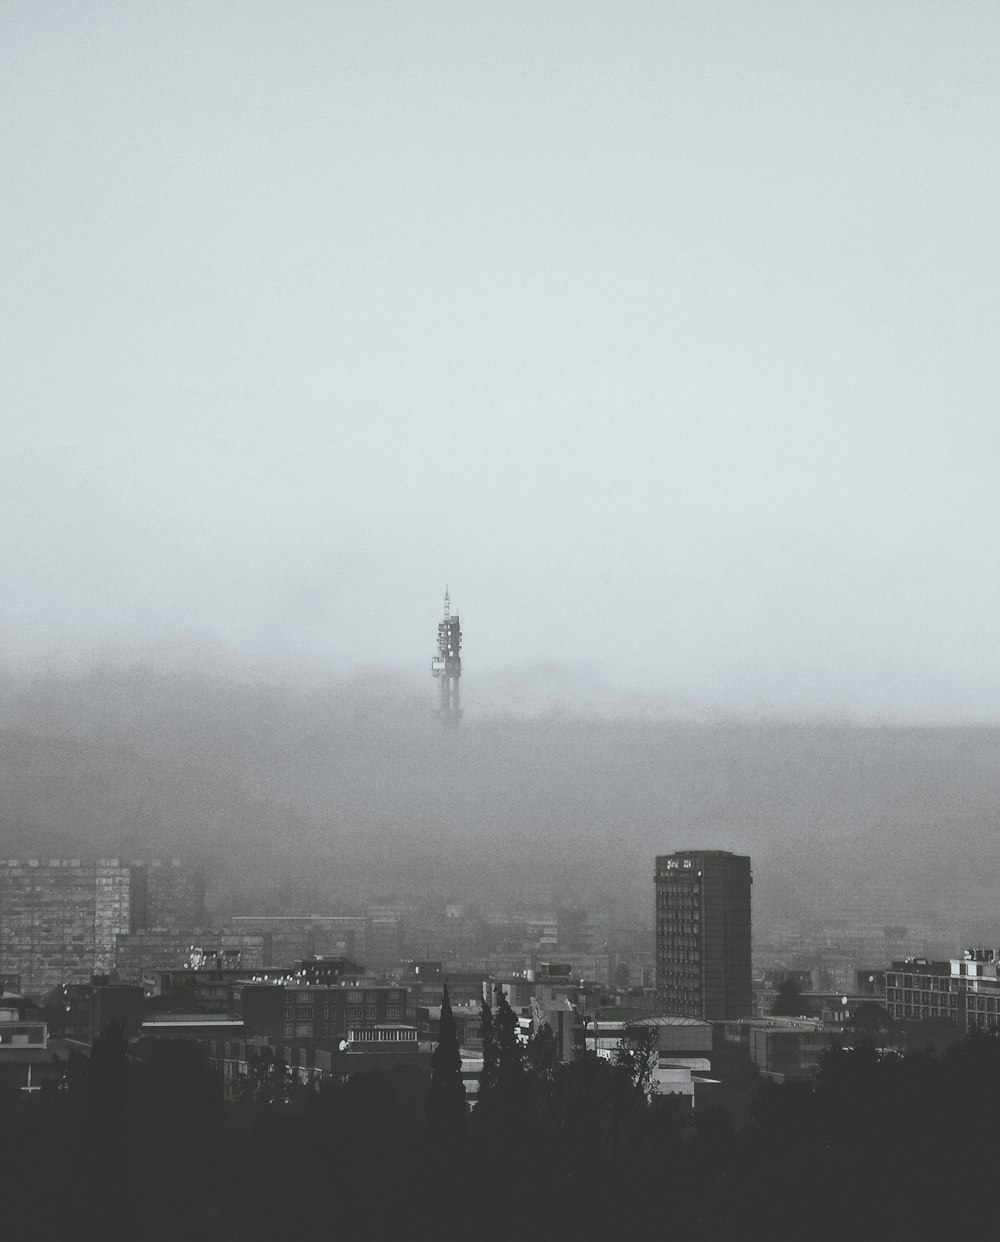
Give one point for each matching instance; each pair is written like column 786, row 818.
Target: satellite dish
column 344, row 1045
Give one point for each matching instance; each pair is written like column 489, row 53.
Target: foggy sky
column 666, row 334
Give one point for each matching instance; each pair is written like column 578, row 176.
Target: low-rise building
column 317, row 1011
column 290, row 937
column 678, row 1037
column 789, row 1050
column 425, row 980
column 468, row 1022
column 194, row 989
column 329, row 970
column 84, row 1011
column 32, row 1063
column 779, row 1047
column 680, row 1052
column 21, row 1025
column 244, row 1062
column 191, row 1026
column 964, row 990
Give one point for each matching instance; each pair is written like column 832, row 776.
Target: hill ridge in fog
column 354, row 792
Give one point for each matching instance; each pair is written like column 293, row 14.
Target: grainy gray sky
column 665, row 333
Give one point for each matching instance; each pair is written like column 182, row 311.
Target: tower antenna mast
column 446, row 665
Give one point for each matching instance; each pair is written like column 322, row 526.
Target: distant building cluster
column 833, row 946
column 84, row 944
column 60, row 920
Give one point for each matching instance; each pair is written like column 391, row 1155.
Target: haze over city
column 664, row 335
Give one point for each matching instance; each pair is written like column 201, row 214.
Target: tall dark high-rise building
column 703, row 934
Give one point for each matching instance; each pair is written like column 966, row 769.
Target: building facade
column 781, row 1048
column 59, row 920
column 168, row 895
column 964, row 990
column 317, row 1011
column 290, row 937
column 62, row 921
column 703, row 965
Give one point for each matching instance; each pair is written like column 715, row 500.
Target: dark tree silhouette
column 789, row 1002
column 503, row 1099
column 270, row 1083
column 510, row 1050
column 490, row 1071
column 541, row 1056
column 635, row 1056
column 446, row 1115
column 108, row 1086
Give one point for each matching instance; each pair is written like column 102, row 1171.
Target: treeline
column 900, row 1146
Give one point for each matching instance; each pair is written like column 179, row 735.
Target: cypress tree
column 489, row 1075
column 500, row 1105
column 446, row 1094
column 510, row 1053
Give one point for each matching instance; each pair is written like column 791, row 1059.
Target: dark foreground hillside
column 141, row 1146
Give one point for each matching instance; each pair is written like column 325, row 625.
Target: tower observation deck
column 446, row 665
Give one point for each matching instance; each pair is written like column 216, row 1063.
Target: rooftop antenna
column 446, row 665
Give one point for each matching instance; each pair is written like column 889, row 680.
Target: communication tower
column 446, row 665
